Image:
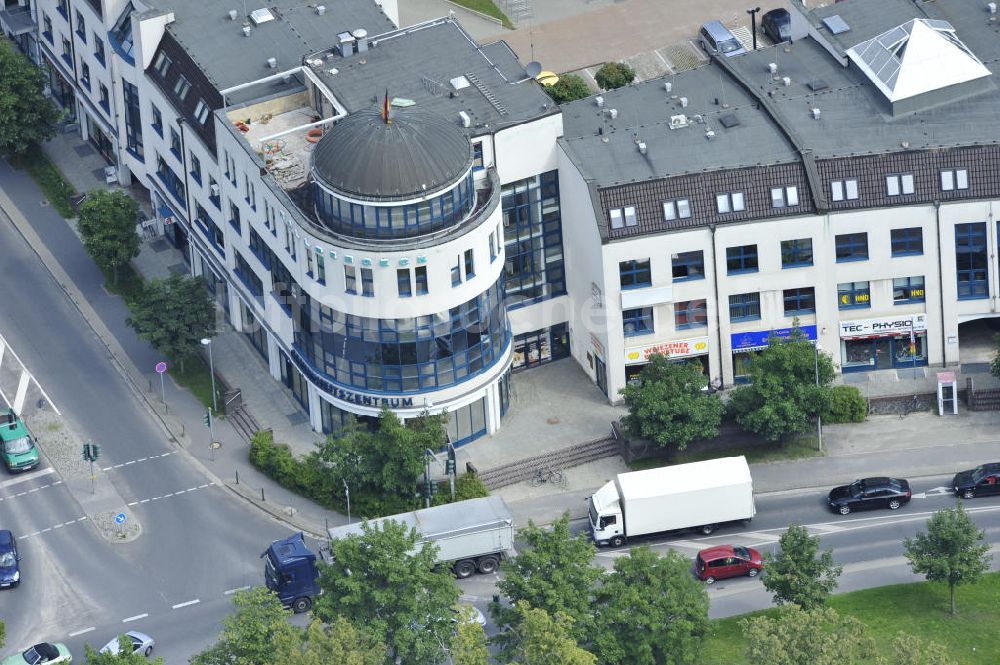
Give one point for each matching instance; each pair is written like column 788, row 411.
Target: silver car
column 141, row 643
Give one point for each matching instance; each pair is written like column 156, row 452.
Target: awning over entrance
column 17, row 21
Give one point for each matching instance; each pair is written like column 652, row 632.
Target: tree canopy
column 381, row 580
column 381, row 468
column 951, row 550
column 251, row 635
column 468, row 644
column 174, row 315
column 544, row 639
column 782, row 397
column 28, row 118
column 340, row 643
column 799, row 573
column 650, row 611
column 554, row 573
column 613, row 75
column 568, row 88
column 107, row 227
column 668, row 405
column 125, row 655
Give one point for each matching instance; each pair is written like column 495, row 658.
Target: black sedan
column 981, row 481
column 869, row 493
column 777, row 25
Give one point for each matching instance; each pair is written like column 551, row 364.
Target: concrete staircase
column 525, row 469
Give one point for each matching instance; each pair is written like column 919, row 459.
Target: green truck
column 19, row 450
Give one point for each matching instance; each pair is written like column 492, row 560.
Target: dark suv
column 981, row 481
column 869, row 493
column 10, row 570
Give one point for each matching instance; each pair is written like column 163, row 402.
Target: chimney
column 346, row 41
column 246, row 30
column 684, row 102
column 642, row 147
column 272, row 63
column 232, row 14
column 320, row 9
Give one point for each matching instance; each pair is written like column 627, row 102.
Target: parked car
column 722, row 561
column 869, row 493
column 716, row 39
column 10, row 560
column 17, row 448
column 141, row 643
column 40, row 654
column 777, row 25
column 981, row 481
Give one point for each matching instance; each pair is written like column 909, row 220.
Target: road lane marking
column 28, row 476
column 136, row 617
column 14, row 496
column 190, row 602
column 51, row 528
column 81, row 632
column 239, row 588
column 171, row 494
column 759, row 537
column 827, row 528
column 141, row 459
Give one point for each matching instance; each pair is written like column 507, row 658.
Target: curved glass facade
column 395, row 221
column 405, row 355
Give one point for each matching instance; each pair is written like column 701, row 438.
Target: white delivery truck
column 470, row 535
column 700, row 495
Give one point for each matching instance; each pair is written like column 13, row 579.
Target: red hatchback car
column 717, row 563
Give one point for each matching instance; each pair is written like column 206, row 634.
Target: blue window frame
column 248, row 276
column 744, row 307
column 854, row 295
column 690, row 314
column 799, row 301
column 852, row 247
column 133, row 120
column 120, row 35
column 456, row 272
column 741, row 259
column 157, row 119
column 906, row 290
column 367, row 283
column 234, row 218
column 796, row 253
column 99, row 50
column 421, row 277
column 908, row 241
column 477, row 156
column 637, row 322
column 404, row 282
column 532, row 237
column 351, row 279
column 971, row 260
column 688, row 266
column 634, row 274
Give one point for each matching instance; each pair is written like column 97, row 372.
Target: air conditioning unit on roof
column 678, row 121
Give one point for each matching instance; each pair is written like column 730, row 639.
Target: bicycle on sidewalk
column 912, row 406
column 543, row 476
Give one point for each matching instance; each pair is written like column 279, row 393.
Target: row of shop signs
column 741, row 342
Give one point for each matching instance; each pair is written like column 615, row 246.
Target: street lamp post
column 347, row 493
column 819, row 417
column 207, row 341
column 753, row 24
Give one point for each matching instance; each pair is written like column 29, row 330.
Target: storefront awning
column 17, row 21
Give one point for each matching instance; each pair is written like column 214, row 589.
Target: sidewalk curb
column 116, row 353
column 310, row 529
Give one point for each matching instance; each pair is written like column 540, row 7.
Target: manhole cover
column 45, row 203
column 552, row 421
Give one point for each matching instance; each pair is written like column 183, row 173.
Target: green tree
column 174, row 315
column 799, row 573
column 951, row 550
column 818, row 636
column 543, row 639
column 911, row 650
column 250, row 636
column 568, row 88
column 669, row 407
column 125, row 656
column 381, row 468
column 468, row 644
column 782, row 398
column 650, row 611
column 847, row 405
column 554, row 573
column 341, row 643
column 995, row 363
column 107, row 226
column 28, row 118
column 381, row 580
column 613, row 75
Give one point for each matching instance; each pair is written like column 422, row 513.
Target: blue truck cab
column 290, row 571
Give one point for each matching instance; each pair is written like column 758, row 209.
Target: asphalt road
column 198, row 541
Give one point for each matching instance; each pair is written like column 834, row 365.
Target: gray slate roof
column 418, row 63
column 228, row 58
column 853, row 117
column 417, row 153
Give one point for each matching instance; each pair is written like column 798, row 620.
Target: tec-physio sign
column 676, row 349
column 892, row 326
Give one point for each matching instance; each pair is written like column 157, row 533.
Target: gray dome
column 418, row 153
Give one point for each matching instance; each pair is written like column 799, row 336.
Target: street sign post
column 120, row 518
column 210, row 423
column 161, row 368
column 91, row 452
column 215, row 445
